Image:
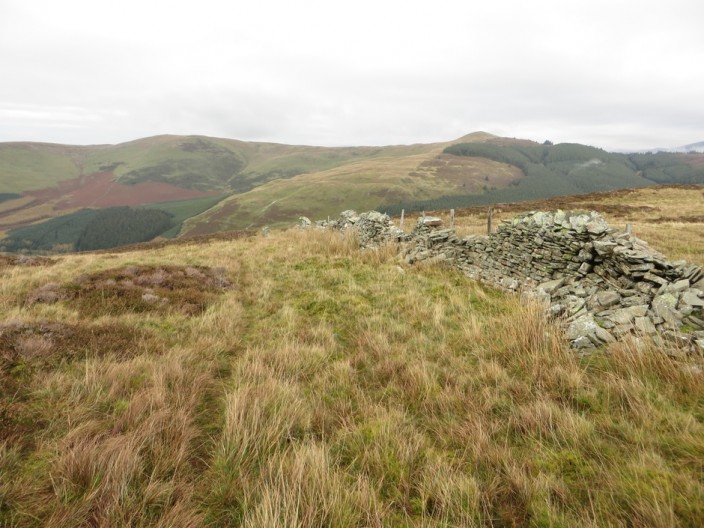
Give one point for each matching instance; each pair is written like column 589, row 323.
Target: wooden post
column 402, row 214
column 629, row 229
column 452, row 218
column 489, row 214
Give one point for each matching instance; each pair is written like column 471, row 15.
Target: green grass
column 184, row 209
column 30, row 166
column 330, row 387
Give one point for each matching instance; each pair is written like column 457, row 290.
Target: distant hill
column 216, row 184
column 692, row 147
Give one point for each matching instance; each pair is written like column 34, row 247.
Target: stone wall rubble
column 602, row 282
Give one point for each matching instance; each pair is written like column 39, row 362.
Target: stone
column 582, row 342
column 539, row 218
column 602, row 335
column 664, row 306
column 551, row 286
column 651, row 277
column 585, row 268
column 604, row 247
column 607, row 298
column 430, row 221
column 582, row 326
column 635, row 300
column 692, row 299
column 578, row 222
column 597, row 226
column 509, row 283
column 644, row 325
column 584, row 255
column 625, row 316
column 696, row 322
column 679, row 286
column 602, row 283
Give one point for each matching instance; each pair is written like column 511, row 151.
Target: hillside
column 292, row 380
column 488, row 171
column 218, row 184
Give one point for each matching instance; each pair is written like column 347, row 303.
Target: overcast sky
column 617, row 74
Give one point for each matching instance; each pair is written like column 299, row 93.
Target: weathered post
column 452, row 218
column 489, row 214
column 402, row 213
column 629, row 229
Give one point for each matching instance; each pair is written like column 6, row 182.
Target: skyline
column 620, row 76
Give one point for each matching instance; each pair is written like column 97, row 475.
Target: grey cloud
column 617, row 76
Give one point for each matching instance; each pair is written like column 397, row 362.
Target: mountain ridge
column 214, row 184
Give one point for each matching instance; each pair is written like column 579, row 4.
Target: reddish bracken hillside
column 101, row 190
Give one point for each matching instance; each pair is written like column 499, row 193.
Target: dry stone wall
column 602, row 282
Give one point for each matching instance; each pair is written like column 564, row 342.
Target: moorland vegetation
column 313, row 384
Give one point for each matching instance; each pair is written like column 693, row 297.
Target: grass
column 184, row 209
column 30, row 166
column 332, row 387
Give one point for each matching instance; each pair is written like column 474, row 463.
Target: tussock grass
column 333, row 387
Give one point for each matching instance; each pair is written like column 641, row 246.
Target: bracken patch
column 139, row 289
column 7, row 261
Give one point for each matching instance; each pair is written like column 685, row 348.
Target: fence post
column 629, row 229
column 402, row 213
column 489, row 214
column 452, row 218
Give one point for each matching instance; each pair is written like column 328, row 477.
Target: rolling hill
column 218, row 184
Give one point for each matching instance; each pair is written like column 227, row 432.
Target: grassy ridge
column 330, row 388
column 194, row 162
column 274, row 184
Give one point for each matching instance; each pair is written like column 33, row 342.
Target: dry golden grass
column 332, row 387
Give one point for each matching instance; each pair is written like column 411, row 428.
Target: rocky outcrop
column 373, row 228
column 603, row 283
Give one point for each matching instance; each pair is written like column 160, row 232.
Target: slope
column 41, row 181
column 361, row 185
column 292, row 380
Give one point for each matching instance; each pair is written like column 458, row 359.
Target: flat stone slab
column 430, row 221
